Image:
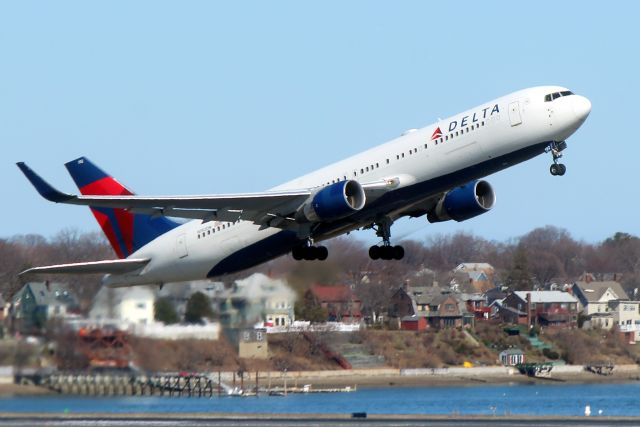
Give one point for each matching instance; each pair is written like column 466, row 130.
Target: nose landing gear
column 556, row 148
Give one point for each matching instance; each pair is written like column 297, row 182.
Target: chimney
column 529, row 310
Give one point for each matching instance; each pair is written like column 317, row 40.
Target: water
column 546, row 399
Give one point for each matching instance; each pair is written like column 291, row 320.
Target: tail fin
column 127, row 232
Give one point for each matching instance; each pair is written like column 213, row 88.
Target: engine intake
column 465, row 202
column 333, row 202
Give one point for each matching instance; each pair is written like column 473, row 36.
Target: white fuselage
column 473, row 144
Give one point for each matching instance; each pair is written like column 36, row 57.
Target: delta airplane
column 435, row 172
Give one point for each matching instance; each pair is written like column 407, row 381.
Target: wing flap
column 117, row 266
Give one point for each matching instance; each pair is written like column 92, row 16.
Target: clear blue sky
column 212, row 97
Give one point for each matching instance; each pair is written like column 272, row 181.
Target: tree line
column 533, row 260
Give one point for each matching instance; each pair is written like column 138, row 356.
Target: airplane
column 434, row 172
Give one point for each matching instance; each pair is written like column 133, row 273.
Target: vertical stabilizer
column 127, row 232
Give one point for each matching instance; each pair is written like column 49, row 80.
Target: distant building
column 512, row 357
column 594, row 296
column 473, row 277
column 544, row 308
column 623, row 315
column 257, row 299
column 126, row 306
column 253, row 344
column 37, row 302
column 340, row 301
column 439, row 307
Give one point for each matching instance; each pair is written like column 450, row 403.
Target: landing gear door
column 181, row 246
column 514, row 114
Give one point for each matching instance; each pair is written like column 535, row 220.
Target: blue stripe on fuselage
column 282, row 242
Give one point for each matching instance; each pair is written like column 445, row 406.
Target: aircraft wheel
column 554, row 169
column 398, row 252
column 310, row 253
column 322, row 253
column 562, row 169
column 298, row 253
column 374, row 252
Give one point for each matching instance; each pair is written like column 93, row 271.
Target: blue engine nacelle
column 333, row 202
column 465, row 202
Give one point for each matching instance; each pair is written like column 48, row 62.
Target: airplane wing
column 257, row 207
column 117, row 266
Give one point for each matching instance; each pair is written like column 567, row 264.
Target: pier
column 162, row 384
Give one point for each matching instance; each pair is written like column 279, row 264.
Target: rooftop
column 593, row 291
column 547, row 296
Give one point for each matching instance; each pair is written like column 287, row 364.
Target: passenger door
column 514, row 113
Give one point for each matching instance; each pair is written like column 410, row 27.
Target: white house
column 127, row 306
column 594, row 297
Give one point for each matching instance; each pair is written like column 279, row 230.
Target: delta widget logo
column 436, row 134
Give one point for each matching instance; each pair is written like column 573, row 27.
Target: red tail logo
column 436, row 134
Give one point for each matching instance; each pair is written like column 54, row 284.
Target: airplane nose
column 581, row 107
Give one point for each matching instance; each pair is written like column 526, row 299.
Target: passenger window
column 377, row 165
column 387, row 161
column 361, row 171
column 425, row 145
column 446, row 137
column 467, row 130
column 403, row 155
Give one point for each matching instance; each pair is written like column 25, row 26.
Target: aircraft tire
column 322, row 253
column 297, row 253
column 374, row 252
column 398, row 252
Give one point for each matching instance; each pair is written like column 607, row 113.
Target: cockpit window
column 550, row 97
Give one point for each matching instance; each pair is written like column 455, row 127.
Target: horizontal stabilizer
column 117, row 266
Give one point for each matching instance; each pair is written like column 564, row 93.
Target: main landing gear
column 308, row 252
column 556, row 148
column 386, row 251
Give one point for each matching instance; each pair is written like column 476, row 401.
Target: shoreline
column 388, row 377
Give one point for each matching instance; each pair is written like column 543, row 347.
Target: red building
column 340, row 301
column 544, row 308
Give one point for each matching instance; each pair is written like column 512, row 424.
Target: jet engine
column 465, row 202
column 333, row 202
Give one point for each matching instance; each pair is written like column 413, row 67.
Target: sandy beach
column 388, row 377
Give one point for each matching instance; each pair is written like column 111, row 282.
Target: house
column 512, row 357
column 441, row 308
column 624, row 315
column 544, row 308
column 256, row 299
column 37, row 302
column 473, row 277
column 594, row 297
column 340, row 301
column 123, row 306
column 477, row 305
